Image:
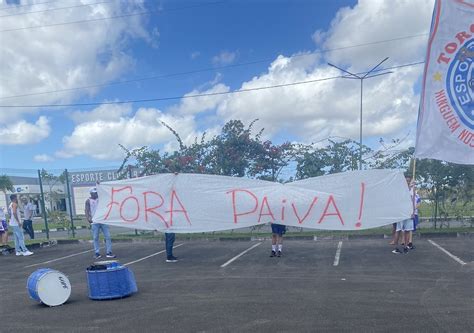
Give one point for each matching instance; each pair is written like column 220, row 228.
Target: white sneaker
column 27, row 253
column 19, row 253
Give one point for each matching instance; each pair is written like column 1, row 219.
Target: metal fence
column 57, row 195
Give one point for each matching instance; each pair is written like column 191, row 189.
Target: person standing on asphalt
column 405, row 229
column 169, row 241
column 15, row 223
column 91, row 207
column 277, row 239
column 28, row 210
column 3, row 229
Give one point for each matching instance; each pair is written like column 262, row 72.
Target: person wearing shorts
column 277, row 239
column 404, row 227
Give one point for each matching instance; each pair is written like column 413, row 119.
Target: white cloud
column 100, row 138
column 224, row 58
column 371, row 21
column 43, row 158
column 106, row 112
column 331, row 108
column 66, row 56
column 195, row 54
column 189, row 106
column 318, row 36
column 22, row 132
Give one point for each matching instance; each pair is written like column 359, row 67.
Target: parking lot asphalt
column 213, row 289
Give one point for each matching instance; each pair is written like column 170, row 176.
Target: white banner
column 186, row 203
column 446, row 117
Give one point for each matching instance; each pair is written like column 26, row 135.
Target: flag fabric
column 446, row 115
column 187, row 203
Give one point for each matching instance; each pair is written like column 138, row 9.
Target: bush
column 59, row 218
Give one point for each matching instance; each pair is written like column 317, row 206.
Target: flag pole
column 413, row 195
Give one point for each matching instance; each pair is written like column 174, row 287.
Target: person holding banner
column 277, row 239
column 405, row 227
column 91, row 207
column 169, row 241
column 416, row 204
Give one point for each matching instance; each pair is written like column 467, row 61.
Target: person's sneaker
column 279, row 254
column 171, row 259
column 111, row 255
column 27, row 253
column 19, row 253
column 405, row 249
column 273, row 254
column 97, row 256
column 396, row 251
column 411, row 246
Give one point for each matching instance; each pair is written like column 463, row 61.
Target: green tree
column 270, row 159
column 446, row 184
column 311, row 162
column 6, row 184
column 50, row 181
column 233, row 150
column 333, row 158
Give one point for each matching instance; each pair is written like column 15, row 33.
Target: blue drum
column 49, row 287
column 110, row 280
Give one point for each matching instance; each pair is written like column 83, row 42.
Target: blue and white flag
column 446, row 116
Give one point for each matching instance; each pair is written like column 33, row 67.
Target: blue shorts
column 405, row 225
column 278, row 229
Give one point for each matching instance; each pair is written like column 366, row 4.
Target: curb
column 54, row 242
column 43, row 231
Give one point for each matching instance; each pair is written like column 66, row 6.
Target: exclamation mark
column 362, row 192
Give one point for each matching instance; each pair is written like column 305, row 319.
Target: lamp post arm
column 343, row 70
column 380, row 63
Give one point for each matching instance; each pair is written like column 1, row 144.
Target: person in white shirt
column 16, row 225
column 28, row 210
column 91, row 207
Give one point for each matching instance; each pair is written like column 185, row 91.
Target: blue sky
column 183, row 36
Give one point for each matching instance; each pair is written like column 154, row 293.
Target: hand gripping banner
column 187, row 203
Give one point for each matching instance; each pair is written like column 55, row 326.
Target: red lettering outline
column 265, row 201
column 362, row 192
column 338, row 214
column 234, row 206
column 138, row 209
column 112, row 202
column 171, row 211
column 152, row 209
column 300, row 221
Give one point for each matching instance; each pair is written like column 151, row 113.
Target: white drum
column 49, row 286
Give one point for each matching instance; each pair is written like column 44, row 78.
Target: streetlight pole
column 361, row 78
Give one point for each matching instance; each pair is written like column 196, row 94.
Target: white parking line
column 151, row 255
column 338, row 254
column 57, row 259
column 447, row 252
column 240, row 255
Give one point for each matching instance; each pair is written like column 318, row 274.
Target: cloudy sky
column 99, row 52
